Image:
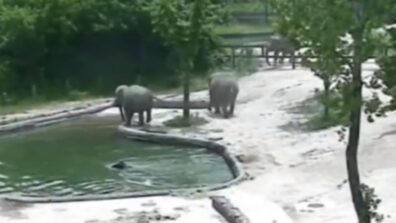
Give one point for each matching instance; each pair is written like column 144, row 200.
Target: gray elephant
column 223, row 91
column 279, row 45
column 134, row 99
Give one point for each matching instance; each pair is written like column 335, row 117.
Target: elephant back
column 279, row 44
column 223, row 79
column 223, row 87
column 137, row 98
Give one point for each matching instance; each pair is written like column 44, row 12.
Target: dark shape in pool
column 73, row 159
column 119, row 165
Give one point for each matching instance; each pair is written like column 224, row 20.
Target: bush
column 95, row 45
column 312, row 110
column 248, row 64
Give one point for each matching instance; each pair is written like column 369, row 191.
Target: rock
column 316, row 205
column 231, row 213
column 184, row 209
column 246, row 158
column 149, row 204
column 215, row 138
column 121, row 210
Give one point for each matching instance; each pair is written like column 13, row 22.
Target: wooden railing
column 294, row 58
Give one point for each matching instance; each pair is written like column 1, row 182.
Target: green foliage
column 312, row 111
column 247, row 6
column 241, row 28
column 248, row 64
column 387, row 72
column 373, row 201
column 186, row 26
column 302, row 22
column 92, row 45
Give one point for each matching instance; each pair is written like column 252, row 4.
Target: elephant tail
column 234, row 90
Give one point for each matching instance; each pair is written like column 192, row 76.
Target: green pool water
column 74, row 159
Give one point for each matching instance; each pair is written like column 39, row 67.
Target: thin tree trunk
column 266, row 11
column 68, row 86
column 326, row 99
column 359, row 203
column 186, row 96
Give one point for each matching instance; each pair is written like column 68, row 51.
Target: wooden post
column 233, row 57
column 266, row 11
column 68, row 86
column 229, row 212
column 293, row 58
column 34, row 90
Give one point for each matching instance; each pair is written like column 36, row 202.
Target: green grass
column 197, row 83
column 26, row 105
column 238, row 28
column 41, row 102
column 246, row 7
column 312, row 119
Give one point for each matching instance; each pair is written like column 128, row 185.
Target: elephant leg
column 232, row 108
column 129, row 117
column 210, row 101
column 121, row 113
column 148, row 118
column 141, row 118
column 266, row 58
column 225, row 111
column 217, row 109
column 282, row 57
column 276, row 54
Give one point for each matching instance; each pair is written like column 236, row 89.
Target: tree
column 338, row 32
column 183, row 25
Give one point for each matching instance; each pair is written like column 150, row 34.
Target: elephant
column 134, row 99
column 223, row 91
column 278, row 45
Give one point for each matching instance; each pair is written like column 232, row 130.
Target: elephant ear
column 119, row 93
column 120, row 89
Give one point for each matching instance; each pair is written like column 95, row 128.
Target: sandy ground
column 298, row 176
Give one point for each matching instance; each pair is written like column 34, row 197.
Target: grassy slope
column 246, row 7
column 244, row 28
column 29, row 104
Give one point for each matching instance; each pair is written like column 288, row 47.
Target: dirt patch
column 13, row 209
column 125, row 216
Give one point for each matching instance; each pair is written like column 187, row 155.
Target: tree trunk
column 326, row 98
column 33, row 90
column 266, row 11
column 359, row 203
column 68, row 86
column 186, row 96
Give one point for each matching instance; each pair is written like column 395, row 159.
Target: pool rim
column 233, row 164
